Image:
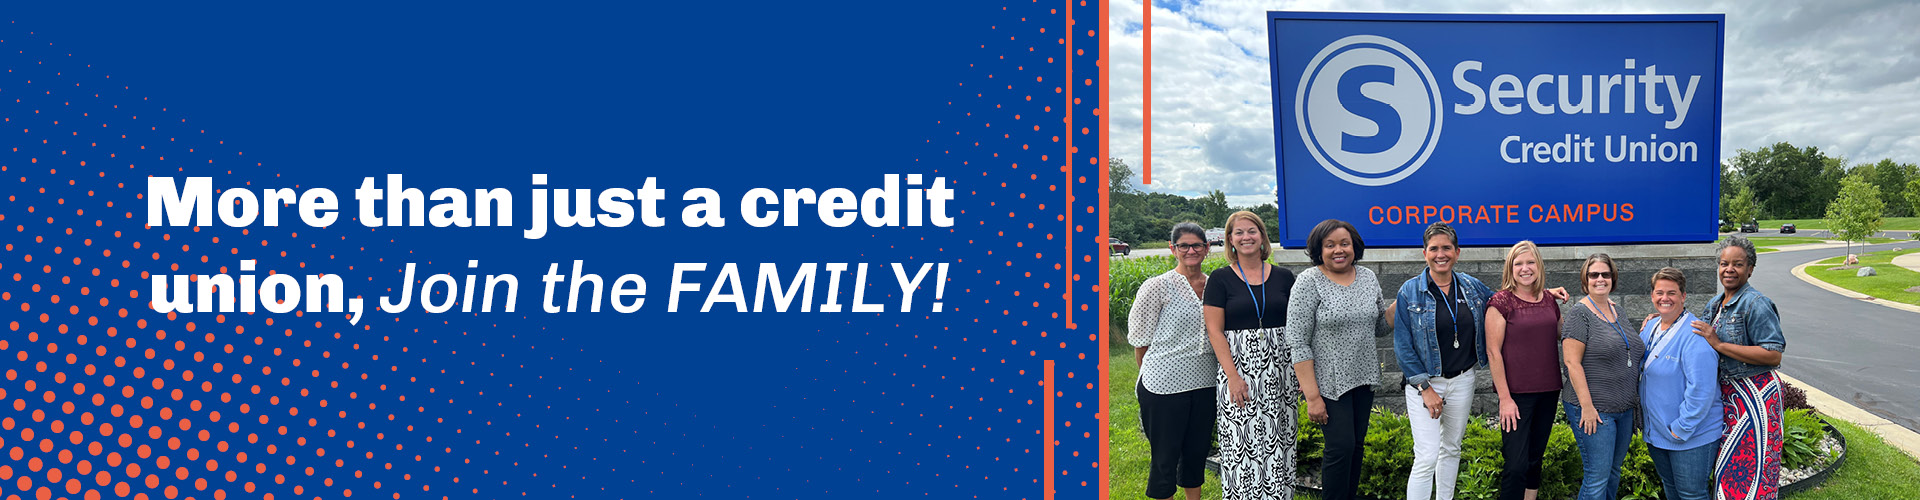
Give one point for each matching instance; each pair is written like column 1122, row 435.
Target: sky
column 1840, row 75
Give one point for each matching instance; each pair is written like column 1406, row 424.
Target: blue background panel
column 103, row 397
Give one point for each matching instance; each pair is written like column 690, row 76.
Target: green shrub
column 1638, row 479
column 1310, row 442
column 1481, row 462
column 1560, row 468
column 1802, row 433
column 1389, row 459
column 1124, row 277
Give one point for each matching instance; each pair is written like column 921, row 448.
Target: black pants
column 1525, row 446
column 1180, row 432
column 1346, row 432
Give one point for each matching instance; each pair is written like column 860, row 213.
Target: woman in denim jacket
column 1439, row 337
column 1744, row 327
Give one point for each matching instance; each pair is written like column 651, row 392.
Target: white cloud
column 1843, row 76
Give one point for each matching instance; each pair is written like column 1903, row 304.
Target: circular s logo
column 1368, row 110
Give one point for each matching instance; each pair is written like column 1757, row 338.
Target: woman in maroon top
column 1523, row 333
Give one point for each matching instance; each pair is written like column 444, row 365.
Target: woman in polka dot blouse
column 1177, row 366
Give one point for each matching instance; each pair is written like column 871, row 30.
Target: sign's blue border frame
column 1719, row 21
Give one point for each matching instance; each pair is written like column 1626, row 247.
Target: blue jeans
column 1601, row 452
column 1686, row 474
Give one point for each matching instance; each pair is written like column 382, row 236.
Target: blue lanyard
column 1616, row 329
column 1450, row 301
column 1259, row 301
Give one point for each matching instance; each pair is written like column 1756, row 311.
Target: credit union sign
column 1560, row 129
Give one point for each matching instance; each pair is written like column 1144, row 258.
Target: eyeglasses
column 1188, row 247
column 1594, row 275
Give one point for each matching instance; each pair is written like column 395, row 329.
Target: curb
column 1800, row 271
column 1900, row 437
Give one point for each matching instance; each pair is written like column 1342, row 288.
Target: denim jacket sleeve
column 1763, row 324
column 1411, row 365
column 1701, row 367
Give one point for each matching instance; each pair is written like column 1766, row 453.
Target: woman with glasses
column 1603, row 360
column 1246, row 312
column 1176, row 386
column 1337, row 312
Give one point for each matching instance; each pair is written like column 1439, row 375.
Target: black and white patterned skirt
column 1257, row 439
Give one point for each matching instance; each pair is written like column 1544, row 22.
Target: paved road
column 1866, row 354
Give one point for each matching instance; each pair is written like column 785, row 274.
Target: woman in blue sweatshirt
column 1680, row 394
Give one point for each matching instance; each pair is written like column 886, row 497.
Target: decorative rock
column 1865, row 272
column 1852, row 259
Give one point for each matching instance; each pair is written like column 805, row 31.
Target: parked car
column 1726, row 227
column 1787, row 229
column 1114, row 245
column 1217, row 236
column 1750, row 227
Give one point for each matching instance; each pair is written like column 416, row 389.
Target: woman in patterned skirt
column 1176, row 393
column 1742, row 325
column 1246, row 312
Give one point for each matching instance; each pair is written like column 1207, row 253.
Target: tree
column 1738, row 207
column 1856, row 214
column 1271, row 215
column 1913, row 195
column 1125, row 220
column 1892, row 179
column 1119, row 178
column 1789, row 182
column 1215, row 205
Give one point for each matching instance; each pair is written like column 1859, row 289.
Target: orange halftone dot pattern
column 110, row 399
column 1011, row 122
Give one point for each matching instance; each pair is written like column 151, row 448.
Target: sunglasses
column 1594, row 275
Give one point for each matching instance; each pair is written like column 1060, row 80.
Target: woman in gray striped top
column 1602, row 358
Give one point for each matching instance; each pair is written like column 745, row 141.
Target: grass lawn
column 1892, row 223
column 1890, row 284
column 1873, row 469
column 1774, row 241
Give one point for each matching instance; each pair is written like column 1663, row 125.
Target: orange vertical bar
column 1067, row 88
column 1146, row 91
column 1046, row 408
column 1106, row 213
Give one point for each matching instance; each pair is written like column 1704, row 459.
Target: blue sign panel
column 1553, row 128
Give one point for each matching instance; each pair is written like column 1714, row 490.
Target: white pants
column 1436, row 441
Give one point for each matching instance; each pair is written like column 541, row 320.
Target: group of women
column 1236, row 347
